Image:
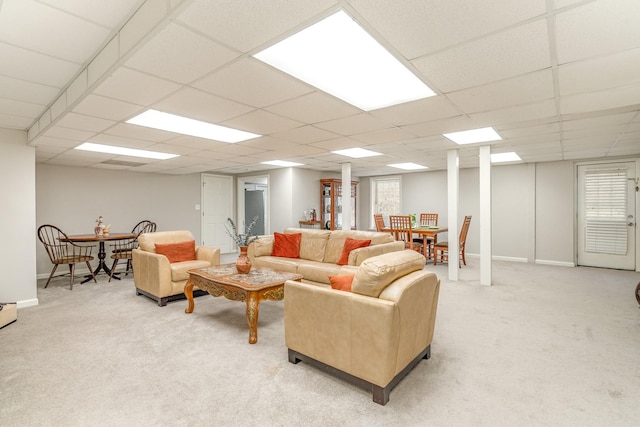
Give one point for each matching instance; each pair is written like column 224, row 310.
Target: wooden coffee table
column 260, row 284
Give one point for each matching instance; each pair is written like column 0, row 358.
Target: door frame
column 240, row 183
column 577, row 207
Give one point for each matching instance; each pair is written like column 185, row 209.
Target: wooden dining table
column 102, row 254
column 424, row 232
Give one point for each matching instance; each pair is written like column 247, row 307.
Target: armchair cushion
column 286, row 245
column 177, row 252
column 377, row 272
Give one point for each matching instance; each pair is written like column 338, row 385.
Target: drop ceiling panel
column 17, row 89
column 314, row 107
column 68, row 133
column 385, row 135
column 606, row 99
column 516, row 132
column 108, row 14
column 305, row 134
column 253, row 83
column 420, row 27
column 41, row 28
column 121, row 142
column 600, row 73
column 19, row 108
column 180, row 55
column 135, row 87
column 200, row 105
column 106, row 108
column 520, row 113
column 140, row 132
column 353, row 125
column 499, row 56
column 261, row 122
column 48, row 71
column 82, row 122
column 438, row 127
column 519, row 90
column 597, row 28
column 428, row 109
column 247, row 24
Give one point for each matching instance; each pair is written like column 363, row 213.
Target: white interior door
column 607, row 215
column 217, row 206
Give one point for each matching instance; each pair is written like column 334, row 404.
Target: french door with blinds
column 607, row 215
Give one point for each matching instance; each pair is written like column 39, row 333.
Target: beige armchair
column 161, row 280
column 372, row 336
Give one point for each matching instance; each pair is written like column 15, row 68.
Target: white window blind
column 605, row 199
column 385, row 196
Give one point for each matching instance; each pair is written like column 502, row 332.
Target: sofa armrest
column 208, row 253
column 151, row 272
column 358, row 255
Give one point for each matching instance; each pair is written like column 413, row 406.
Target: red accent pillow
column 342, row 283
column 286, row 245
column 176, row 252
column 349, row 245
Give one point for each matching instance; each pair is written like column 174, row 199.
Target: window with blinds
column 605, row 207
column 385, row 196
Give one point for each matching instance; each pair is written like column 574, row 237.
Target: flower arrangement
column 241, row 239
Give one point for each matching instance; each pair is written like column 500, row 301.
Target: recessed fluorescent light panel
column 473, row 136
column 282, row 163
column 356, row 153
column 338, row 56
column 505, row 157
column 408, row 166
column 186, row 126
column 123, row 151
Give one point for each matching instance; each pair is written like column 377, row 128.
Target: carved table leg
column 188, row 291
column 252, row 316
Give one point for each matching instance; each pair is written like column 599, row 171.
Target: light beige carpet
column 544, row 346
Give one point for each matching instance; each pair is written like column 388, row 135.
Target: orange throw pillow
column 349, row 245
column 177, row 252
column 286, row 245
column 342, row 283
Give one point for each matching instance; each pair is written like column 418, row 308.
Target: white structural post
column 346, row 196
column 485, row 215
column 453, row 180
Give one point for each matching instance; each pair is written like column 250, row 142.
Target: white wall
column 72, row 198
column 17, row 219
column 306, row 187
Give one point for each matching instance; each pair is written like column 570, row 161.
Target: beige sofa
column 372, row 336
column 161, row 280
column 319, row 252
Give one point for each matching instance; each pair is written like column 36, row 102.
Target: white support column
column 453, row 180
column 485, row 215
column 346, row 196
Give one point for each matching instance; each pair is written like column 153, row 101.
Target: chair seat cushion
column 442, row 245
column 72, row 259
column 179, row 270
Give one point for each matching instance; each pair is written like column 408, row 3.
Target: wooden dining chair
column 379, row 221
column 428, row 220
column 443, row 247
column 122, row 250
column 61, row 252
column 402, row 231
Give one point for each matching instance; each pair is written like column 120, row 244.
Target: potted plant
column 243, row 240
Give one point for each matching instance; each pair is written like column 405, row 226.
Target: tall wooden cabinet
column 331, row 194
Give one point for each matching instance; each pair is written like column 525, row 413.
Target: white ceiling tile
column 313, row 107
column 499, row 56
column 438, row 127
column 597, row 28
column 515, row 132
column 68, row 133
column 140, row 132
column 106, row 108
column 45, row 141
column 253, row 83
column 180, row 55
column 384, row 135
column 41, row 28
column 599, row 122
column 82, row 122
column 106, row 13
column 602, row 100
column 520, row 113
column 17, row 89
column 305, row 134
column 419, row 27
column 34, row 67
column 120, row 141
column 135, row 87
column 519, row 90
column 599, row 73
column 247, row 24
column 19, row 108
column 261, row 122
column 201, row 105
column 352, row 125
column 428, row 109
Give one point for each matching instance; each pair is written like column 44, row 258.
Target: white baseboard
column 558, row 263
column 27, row 303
